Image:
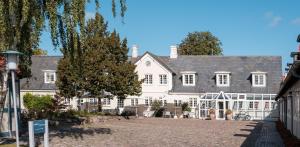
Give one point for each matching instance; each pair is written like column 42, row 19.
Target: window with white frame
column 188, row 79
column 134, row 102
column 49, row 76
column 163, row 79
column 193, row 102
column 258, row 79
column 146, row 102
column 175, row 103
column 148, row 79
column 250, row 105
column 106, row 101
column 120, row 103
column 222, row 79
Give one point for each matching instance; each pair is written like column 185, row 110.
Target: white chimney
column 173, row 51
column 134, row 53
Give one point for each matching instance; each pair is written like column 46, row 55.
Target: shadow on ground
column 254, row 133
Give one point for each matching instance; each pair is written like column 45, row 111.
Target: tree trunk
column 99, row 105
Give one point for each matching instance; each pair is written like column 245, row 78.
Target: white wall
column 155, row 69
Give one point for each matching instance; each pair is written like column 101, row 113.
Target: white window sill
column 188, row 84
column 223, row 85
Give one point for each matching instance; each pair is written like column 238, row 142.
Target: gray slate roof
column 205, row 67
column 239, row 66
column 36, row 82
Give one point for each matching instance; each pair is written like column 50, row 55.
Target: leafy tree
column 22, row 21
column 105, row 63
column 200, row 43
column 38, row 105
column 39, row 52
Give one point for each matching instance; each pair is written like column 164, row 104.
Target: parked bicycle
column 242, row 116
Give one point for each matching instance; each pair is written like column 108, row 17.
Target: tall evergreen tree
column 200, row 43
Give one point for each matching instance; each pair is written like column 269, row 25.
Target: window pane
column 191, row 80
column 186, row 79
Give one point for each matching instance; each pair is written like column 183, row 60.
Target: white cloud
column 296, row 21
column 273, row 20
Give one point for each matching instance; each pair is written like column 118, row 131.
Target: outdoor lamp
column 12, row 58
column 11, row 65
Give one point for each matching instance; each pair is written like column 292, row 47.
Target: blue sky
column 256, row 27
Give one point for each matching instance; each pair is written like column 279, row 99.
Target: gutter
column 292, row 77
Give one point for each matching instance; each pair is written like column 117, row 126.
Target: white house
column 240, row 83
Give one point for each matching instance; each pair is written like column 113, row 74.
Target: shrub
column 127, row 112
column 38, row 106
column 211, row 111
column 157, row 108
column 185, row 107
column 228, row 112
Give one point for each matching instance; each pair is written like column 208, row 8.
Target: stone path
column 269, row 137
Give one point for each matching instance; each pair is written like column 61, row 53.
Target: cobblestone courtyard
column 162, row 132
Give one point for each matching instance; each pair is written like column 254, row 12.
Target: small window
column 222, row 79
column 163, row 79
column 106, row 101
column 132, row 102
column 146, row 102
column 165, row 102
column 256, row 105
column 179, row 102
column 49, row 76
column 148, row 79
column 250, row 105
column 195, row 102
column 120, row 103
column 267, row 105
column 191, row 102
column 150, row 101
column 136, row 102
column 175, row 103
column 188, row 79
column 258, row 79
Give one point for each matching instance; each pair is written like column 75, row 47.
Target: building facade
column 239, row 83
column 288, row 97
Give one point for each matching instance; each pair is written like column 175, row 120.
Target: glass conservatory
column 258, row 106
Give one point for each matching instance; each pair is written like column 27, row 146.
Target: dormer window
column 222, row 78
column 259, row 79
column 188, row 78
column 49, row 76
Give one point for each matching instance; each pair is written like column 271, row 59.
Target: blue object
column 39, row 126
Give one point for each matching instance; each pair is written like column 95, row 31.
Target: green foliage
column 157, row 108
column 22, row 21
column 37, row 105
column 200, row 43
column 156, row 105
column 185, row 107
column 39, row 52
column 101, row 67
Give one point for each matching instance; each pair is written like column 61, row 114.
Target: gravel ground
column 156, row 132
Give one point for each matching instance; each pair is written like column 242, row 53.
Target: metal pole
column 15, row 106
column 46, row 134
column 31, row 133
